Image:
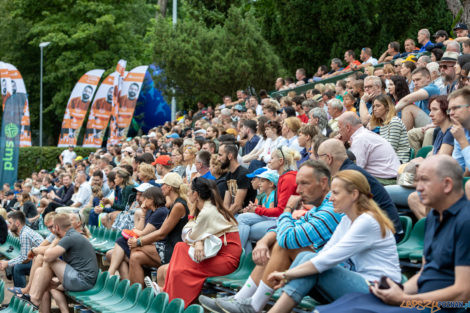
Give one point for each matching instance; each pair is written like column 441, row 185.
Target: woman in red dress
column 208, row 216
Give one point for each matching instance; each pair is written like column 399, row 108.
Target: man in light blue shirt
column 459, row 111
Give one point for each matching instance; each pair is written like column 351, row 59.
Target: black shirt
column 381, row 196
column 238, row 180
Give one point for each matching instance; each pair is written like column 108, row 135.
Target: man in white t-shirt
column 81, row 198
column 67, row 156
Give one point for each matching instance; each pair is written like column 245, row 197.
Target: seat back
column 112, row 283
column 407, row 225
column 145, row 298
column 132, row 293
column 418, row 231
column 194, row 308
column 175, row 306
column 122, row 288
column 160, row 303
column 2, row 291
column 423, row 152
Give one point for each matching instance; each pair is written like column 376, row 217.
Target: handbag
column 212, row 245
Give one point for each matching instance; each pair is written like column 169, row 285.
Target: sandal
column 15, row 290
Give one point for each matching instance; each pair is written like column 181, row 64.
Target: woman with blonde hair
column 189, row 159
column 391, row 127
column 146, row 173
column 290, row 128
column 177, row 160
column 258, row 219
column 364, row 238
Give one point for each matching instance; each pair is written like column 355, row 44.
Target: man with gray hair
column 453, row 46
column 373, row 153
column 436, row 78
column 318, row 117
column 366, row 58
column 372, row 88
column 423, row 61
column 424, row 40
column 335, row 109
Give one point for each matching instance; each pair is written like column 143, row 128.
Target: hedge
column 33, row 159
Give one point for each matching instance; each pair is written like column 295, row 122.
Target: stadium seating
column 415, row 242
column 6, row 249
column 407, row 225
column 423, row 152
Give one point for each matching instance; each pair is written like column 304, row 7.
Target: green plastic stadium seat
column 175, row 306
column 423, row 152
column 2, row 291
column 465, row 180
column 13, row 305
column 407, row 225
column 416, row 255
column 159, row 303
column 240, row 274
column 106, row 292
column 129, row 300
column 103, row 240
column 194, row 308
column 412, row 153
column 117, row 297
column 414, row 242
column 99, row 285
column 140, row 306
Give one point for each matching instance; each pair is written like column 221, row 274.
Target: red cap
column 163, row 160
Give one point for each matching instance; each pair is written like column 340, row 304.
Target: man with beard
column 28, row 239
column 128, row 102
column 77, row 269
column 240, row 192
column 459, row 111
column 248, row 136
column 104, row 105
column 447, row 67
column 81, row 103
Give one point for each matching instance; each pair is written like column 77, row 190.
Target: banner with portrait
column 99, row 113
column 17, row 86
column 77, row 107
column 128, row 98
column 5, row 83
column 118, row 81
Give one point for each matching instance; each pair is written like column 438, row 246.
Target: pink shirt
column 374, row 154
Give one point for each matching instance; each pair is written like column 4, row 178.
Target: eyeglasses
column 368, row 86
column 282, row 153
column 321, row 155
column 464, row 78
column 444, row 66
column 50, row 227
column 449, row 110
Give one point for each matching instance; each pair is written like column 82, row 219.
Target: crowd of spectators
column 309, row 183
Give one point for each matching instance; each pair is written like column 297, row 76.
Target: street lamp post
column 42, row 45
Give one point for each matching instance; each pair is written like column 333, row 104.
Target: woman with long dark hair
column 398, row 88
column 208, row 216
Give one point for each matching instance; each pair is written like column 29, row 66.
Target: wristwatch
column 139, row 243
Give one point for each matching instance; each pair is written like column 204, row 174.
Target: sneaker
column 210, row 305
column 235, row 306
column 150, row 284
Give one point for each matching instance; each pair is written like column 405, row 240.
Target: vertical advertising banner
column 113, row 126
column 128, row 98
column 100, row 113
column 18, row 87
column 10, row 138
column 77, row 106
column 5, row 83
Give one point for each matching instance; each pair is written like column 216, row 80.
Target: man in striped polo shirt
column 279, row 247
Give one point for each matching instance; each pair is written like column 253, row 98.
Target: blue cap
column 272, row 176
column 238, row 107
column 174, row 136
column 257, row 172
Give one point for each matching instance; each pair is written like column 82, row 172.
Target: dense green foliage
column 217, row 47
column 33, row 159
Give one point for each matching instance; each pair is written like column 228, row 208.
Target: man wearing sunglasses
column 447, row 67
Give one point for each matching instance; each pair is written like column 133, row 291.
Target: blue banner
column 10, row 138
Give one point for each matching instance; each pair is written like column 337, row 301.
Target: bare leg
column 416, row 206
column 60, row 300
column 37, row 263
column 408, row 117
column 124, row 270
column 137, row 260
column 46, row 303
column 40, row 284
column 161, row 274
column 283, row 304
column 116, row 259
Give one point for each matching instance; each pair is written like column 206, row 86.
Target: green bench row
column 112, row 295
column 103, row 239
column 16, row 305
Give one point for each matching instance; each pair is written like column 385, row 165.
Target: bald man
column 446, row 254
column 333, row 153
column 373, row 153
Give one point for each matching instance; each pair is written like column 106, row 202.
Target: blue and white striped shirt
column 313, row 229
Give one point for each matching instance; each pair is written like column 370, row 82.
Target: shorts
column 73, row 281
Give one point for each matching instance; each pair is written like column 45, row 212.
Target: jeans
column 252, row 226
column 19, row 274
column 399, row 194
column 331, row 284
column 93, row 218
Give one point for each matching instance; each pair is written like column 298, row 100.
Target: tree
column 458, row 7
column 84, row 34
column 205, row 63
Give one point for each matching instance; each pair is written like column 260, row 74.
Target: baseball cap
column 460, row 26
column 238, row 107
column 163, row 160
column 272, row 176
column 171, row 179
column 201, row 131
column 256, row 172
column 129, row 150
column 441, row 33
column 79, row 158
column 449, row 56
column 173, row 135
column 143, row 187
